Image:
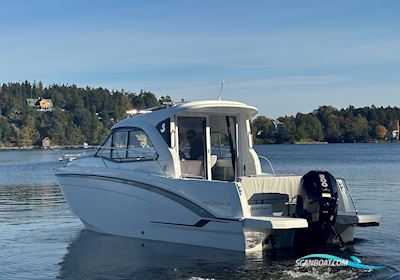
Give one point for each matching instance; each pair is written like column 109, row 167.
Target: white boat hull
column 137, row 209
column 119, row 208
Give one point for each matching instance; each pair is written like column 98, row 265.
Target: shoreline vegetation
column 80, row 147
column 69, row 115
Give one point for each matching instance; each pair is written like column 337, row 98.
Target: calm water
column 41, row 239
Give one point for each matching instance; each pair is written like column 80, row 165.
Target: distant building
column 41, row 104
column 46, row 143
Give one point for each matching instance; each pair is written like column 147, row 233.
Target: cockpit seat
column 277, row 201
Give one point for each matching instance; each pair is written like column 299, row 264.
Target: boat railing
column 269, row 163
column 66, row 155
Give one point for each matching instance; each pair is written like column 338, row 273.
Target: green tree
column 263, row 130
column 5, row 130
column 329, row 119
column 308, row 128
column 355, row 129
column 286, row 131
column 30, row 134
column 56, row 127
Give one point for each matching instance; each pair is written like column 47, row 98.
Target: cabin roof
column 206, row 106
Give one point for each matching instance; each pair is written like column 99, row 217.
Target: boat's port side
column 140, row 210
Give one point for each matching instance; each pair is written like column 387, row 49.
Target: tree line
column 328, row 124
column 79, row 114
column 86, row 114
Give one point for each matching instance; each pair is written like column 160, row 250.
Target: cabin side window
column 140, row 146
column 120, row 140
column 105, row 150
column 128, row 144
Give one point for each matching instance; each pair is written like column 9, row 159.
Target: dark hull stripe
column 199, row 224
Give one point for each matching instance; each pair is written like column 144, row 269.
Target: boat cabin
column 208, row 140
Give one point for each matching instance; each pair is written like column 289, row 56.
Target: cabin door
column 192, row 146
column 223, row 138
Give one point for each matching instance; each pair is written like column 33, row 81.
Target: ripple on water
column 41, row 239
column 35, row 225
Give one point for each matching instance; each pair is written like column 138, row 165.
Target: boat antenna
column 220, row 91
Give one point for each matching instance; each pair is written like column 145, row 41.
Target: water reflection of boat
column 99, row 256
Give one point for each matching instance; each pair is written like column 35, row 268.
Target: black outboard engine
column 318, row 204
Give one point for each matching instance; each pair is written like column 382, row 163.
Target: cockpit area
column 207, row 146
column 209, row 140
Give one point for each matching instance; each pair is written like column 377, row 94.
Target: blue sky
column 282, row 56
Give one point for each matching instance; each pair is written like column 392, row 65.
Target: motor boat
column 189, row 174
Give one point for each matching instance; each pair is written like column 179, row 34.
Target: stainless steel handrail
column 62, row 154
column 102, row 159
column 66, row 157
column 269, row 162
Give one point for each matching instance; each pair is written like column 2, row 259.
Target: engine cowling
column 318, row 203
